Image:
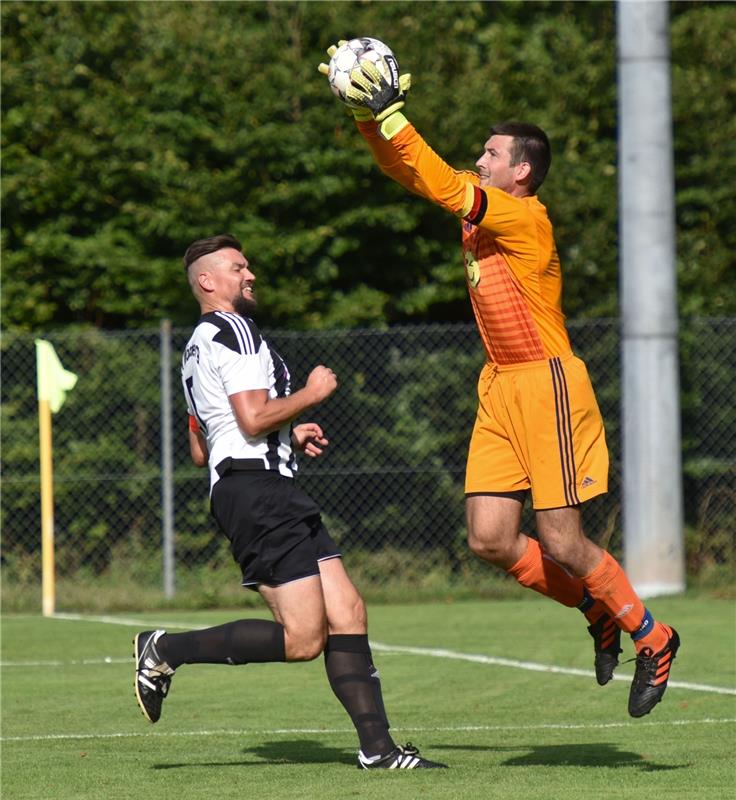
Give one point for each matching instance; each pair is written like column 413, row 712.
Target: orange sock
column 539, row 572
column 608, row 584
column 655, row 640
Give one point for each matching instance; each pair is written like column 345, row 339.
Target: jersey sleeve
column 243, row 372
column 408, row 159
column 510, row 222
column 239, row 354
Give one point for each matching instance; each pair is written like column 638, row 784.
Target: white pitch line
column 417, row 651
column 127, row 621
column 532, row 665
column 331, row 731
column 86, row 662
column 73, row 663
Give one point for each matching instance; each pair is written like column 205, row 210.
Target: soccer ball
column 346, row 59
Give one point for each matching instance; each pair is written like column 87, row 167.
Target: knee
column 556, row 548
column 349, row 617
column 490, row 545
column 305, row 645
column 478, row 544
column 356, row 617
column 567, row 551
column 578, row 555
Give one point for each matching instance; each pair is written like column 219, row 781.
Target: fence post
column 167, row 461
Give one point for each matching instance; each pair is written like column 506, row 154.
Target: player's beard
column 245, row 306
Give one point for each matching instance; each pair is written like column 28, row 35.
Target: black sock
column 240, row 642
column 356, row 684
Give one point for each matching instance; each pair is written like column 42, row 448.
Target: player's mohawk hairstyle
column 203, row 247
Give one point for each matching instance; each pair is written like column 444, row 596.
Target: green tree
column 130, row 129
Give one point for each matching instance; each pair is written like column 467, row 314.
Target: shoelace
column 648, row 662
column 158, row 681
column 407, row 757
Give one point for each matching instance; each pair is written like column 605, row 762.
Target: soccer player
column 241, row 412
column 538, row 428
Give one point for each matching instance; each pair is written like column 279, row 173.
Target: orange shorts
column 538, row 427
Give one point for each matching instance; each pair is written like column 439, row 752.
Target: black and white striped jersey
column 226, row 354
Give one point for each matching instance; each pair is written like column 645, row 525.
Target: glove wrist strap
column 361, row 114
column 390, row 126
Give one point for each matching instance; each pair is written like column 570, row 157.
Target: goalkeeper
column 538, row 429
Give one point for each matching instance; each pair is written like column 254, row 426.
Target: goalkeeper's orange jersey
column 512, row 268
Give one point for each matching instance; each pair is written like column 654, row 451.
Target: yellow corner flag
column 53, row 383
column 52, row 379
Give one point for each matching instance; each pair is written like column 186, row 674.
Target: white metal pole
column 652, row 472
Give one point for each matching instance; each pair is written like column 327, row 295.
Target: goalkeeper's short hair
column 203, row 247
column 530, row 144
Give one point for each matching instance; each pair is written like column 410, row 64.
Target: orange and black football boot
column 607, row 643
column 651, row 676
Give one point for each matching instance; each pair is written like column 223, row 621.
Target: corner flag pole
column 53, row 382
column 48, row 588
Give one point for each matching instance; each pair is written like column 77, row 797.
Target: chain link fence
column 390, row 484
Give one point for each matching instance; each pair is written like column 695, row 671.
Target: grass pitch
column 502, row 691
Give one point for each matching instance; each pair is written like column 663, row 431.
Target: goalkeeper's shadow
column 586, row 754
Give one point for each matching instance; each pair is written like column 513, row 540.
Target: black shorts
column 275, row 529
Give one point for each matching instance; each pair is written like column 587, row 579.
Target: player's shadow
column 301, row 751
column 600, row 754
column 296, row 751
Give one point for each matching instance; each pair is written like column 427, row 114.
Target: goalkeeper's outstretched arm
column 399, row 149
column 410, row 161
column 383, row 153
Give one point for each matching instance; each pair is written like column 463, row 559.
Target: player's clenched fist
column 322, row 382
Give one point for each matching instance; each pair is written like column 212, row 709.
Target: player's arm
column 402, row 153
column 410, row 161
column 456, row 191
column 383, row 153
column 197, row 443
column 390, row 161
column 258, row 414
